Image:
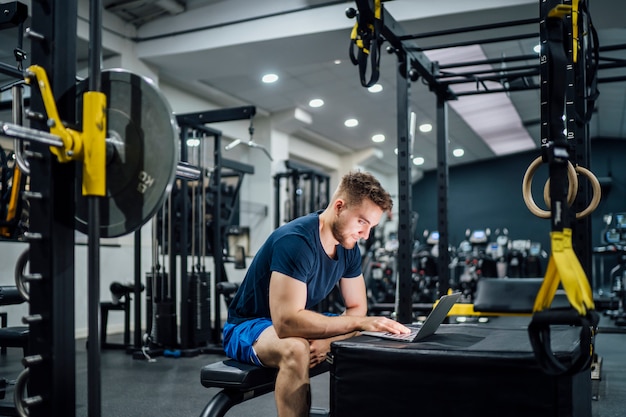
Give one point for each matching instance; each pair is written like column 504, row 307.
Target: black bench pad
column 243, row 376
column 511, row 295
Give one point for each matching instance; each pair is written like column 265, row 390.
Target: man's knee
column 295, row 352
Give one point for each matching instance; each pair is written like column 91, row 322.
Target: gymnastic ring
column 595, row 185
column 546, row 191
column 527, row 188
column 597, row 192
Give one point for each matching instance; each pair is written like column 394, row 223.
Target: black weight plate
column 142, row 154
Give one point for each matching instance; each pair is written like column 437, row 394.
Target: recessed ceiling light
column 378, row 138
column 316, row 102
column 458, row 152
column 351, row 122
column 269, row 78
column 426, row 127
column 376, row 88
column 337, row 61
column 418, row 160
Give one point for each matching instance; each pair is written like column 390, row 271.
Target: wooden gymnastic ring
column 595, row 200
column 527, row 188
column 597, row 192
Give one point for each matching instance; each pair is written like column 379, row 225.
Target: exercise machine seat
column 240, row 382
column 234, row 374
column 511, row 295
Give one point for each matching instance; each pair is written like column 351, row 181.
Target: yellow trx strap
column 564, row 268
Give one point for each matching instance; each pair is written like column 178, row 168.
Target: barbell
column 142, row 138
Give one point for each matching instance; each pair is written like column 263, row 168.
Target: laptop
column 425, row 329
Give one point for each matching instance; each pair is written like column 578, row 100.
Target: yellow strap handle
column 564, row 268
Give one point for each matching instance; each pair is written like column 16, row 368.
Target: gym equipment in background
column 196, row 221
column 305, row 190
column 473, row 261
column 613, row 253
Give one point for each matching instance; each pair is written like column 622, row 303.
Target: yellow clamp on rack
column 564, row 267
column 94, row 142
column 88, row 146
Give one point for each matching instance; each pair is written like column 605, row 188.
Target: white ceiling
column 221, row 48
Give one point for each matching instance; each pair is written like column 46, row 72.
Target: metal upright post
column 443, row 260
column 137, row 340
column 404, row 292
column 185, row 333
column 94, row 390
column 51, row 236
column 577, row 94
column 218, row 250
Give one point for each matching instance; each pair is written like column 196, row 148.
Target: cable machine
column 193, row 225
column 305, row 191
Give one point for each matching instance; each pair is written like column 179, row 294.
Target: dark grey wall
column 489, row 194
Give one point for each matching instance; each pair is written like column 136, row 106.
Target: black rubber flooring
column 171, row 386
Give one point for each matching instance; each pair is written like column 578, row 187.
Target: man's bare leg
column 292, row 357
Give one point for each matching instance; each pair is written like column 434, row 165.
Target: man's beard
column 339, row 236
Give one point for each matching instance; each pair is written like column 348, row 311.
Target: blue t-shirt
column 293, row 249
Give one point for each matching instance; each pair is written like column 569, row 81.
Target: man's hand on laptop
column 383, row 324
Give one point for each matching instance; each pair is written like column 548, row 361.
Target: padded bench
column 506, row 297
column 512, row 295
column 241, row 382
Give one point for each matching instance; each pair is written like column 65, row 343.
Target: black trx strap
column 564, row 267
column 366, row 37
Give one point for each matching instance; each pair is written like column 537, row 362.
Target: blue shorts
column 239, row 338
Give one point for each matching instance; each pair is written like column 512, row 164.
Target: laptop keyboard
column 402, row 336
column 414, row 328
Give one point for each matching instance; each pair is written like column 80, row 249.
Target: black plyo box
column 465, row 370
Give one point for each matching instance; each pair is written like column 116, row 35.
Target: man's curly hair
column 356, row 186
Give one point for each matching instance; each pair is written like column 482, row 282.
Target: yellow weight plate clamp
column 88, row 146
